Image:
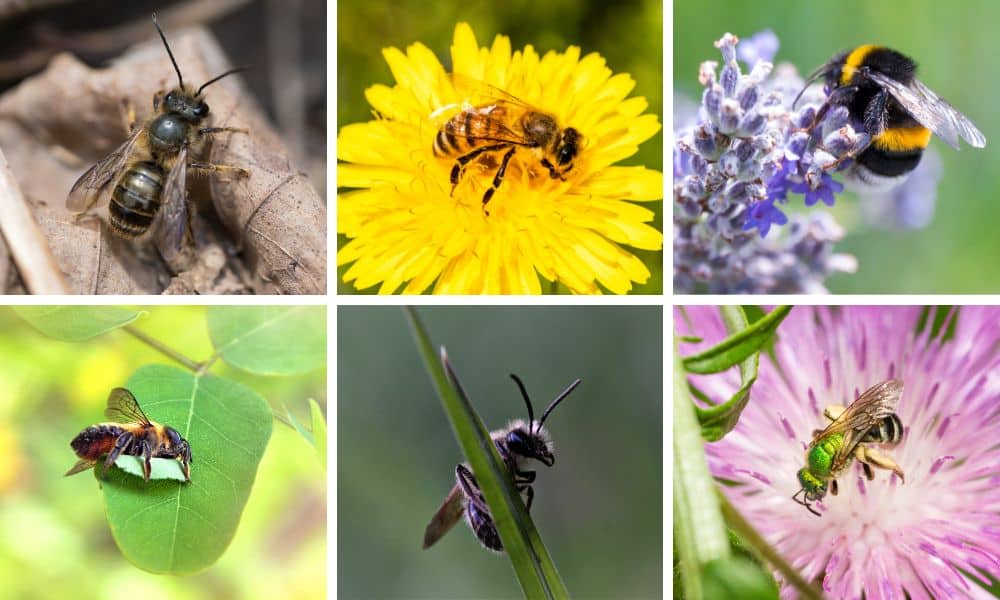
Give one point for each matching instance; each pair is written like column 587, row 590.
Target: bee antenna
column 169, row 53
column 820, row 72
column 558, row 399
column 527, row 401
column 214, row 79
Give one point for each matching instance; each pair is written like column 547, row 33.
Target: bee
column 899, row 113
column 516, row 444
column 149, row 169
column 130, row 433
column 868, row 420
column 493, row 123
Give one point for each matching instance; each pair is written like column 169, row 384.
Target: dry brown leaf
column 263, row 234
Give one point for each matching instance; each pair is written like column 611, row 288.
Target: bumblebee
column 149, row 169
column 515, row 444
column 130, row 433
column 868, row 420
column 490, row 123
column 879, row 88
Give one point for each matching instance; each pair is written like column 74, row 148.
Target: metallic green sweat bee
column 868, row 420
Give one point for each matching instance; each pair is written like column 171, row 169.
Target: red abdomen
column 96, row 441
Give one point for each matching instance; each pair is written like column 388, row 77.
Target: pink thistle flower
column 938, row 534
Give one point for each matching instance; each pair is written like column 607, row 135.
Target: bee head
column 531, row 443
column 568, row 147
column 182, row 100
column 813, row 487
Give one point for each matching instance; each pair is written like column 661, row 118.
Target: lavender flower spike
column 735, row 162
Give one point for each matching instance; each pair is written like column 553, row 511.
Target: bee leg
column 214, row 130
column 525, row 476
column 147, row 458
column 552, row 169
column 128, row 114
column 461, row 161
column 833, row 411
column 875, row 458
column 214, row 168
column 157, row 98
column 530, row 491
column 122, row 444
column 498, row 178
column 468, row 482
column 833, row 487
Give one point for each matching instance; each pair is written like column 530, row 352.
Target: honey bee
column 492, row 122
column 130, row 433
column 149, row 169
column 516, row 444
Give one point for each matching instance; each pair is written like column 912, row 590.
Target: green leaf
column 168, row 527
column 319, row 430
column 160, row 468
column 717, row 421
column 76, row 323
column 532, row 564
column 270, row 340
column 738, row 346
column 699, row 533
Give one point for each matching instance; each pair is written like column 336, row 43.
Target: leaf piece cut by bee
column 228, row 426
column 162, row 468
column 76, row 323
column 270, row 340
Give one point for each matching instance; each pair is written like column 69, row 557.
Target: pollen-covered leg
column 833, row 411
column 459, row 167
column 875, row 458
column 497, row 178
column 205, row 167
column 128, row 114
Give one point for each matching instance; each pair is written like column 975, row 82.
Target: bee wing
column 446, row 516
column 124, row 408
column 81, row 465
column 172, row 217
column 88, row 187
column 932, row 111
column 479, row 93
column 873, row 404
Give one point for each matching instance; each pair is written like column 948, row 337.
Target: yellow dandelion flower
column 519, row 209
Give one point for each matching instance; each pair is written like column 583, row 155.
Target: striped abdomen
column 472, row 128
column 889, row 431
column 136, row 199
column 96, row 440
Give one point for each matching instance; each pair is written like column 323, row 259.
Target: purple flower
column 824, row 191
column 762, row 215
column 937, row 534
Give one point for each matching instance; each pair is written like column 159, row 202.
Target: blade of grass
column 532, row 564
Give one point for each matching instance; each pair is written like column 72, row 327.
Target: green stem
column 699, row 532
column 164, row 349
column 764, row 551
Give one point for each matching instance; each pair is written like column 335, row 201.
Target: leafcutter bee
column 130, row 433
column 493, row 123
column 516, row 444
column 869, row 420
column 879, row 88
column 145, row 177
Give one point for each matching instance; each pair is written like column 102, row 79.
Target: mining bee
column 490, row 123
column 149, row 169
column 130, row 433
column 516, row 444
column 879, row 88
column 868, row 420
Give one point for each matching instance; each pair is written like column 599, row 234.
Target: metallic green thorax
column 820, row 458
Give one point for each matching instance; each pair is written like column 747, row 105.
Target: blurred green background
column 955, row 45
column 628, row 34
column 598, row 509
column 54, row 537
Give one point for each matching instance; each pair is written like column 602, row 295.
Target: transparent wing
column 172, row 217
column 875, row 403
column 124, row 408
column 932, row 112
column 482, row 112
column 87, row 189
column 479, row 93
column 81, row 465
column 446, row 516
